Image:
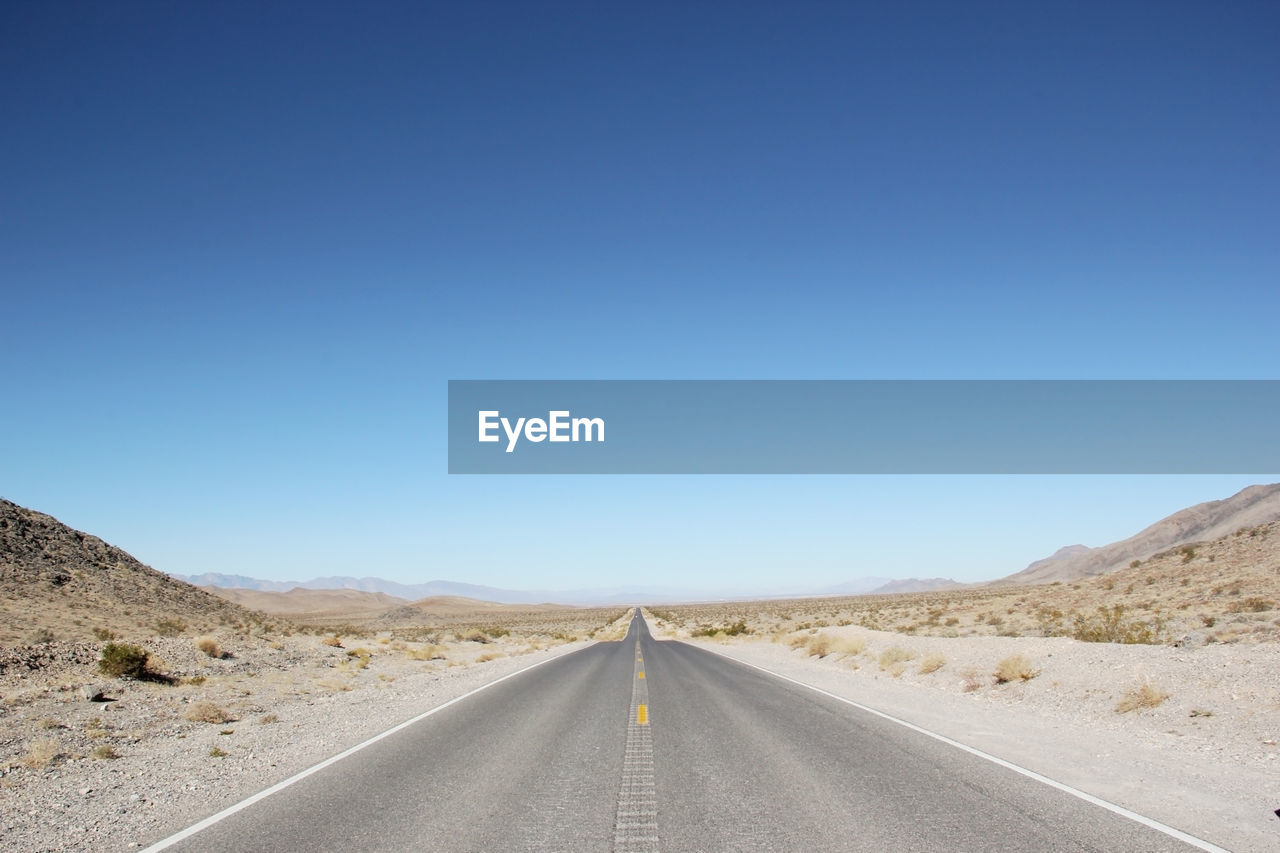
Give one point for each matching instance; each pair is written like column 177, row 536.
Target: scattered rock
column 94, row 692
column 1190, row 641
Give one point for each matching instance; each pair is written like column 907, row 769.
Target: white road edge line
column 316, row 768
column 1030, row 774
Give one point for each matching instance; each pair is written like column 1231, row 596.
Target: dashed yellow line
column 642, row 715
column 641, row 675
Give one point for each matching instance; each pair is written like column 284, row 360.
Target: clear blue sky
column 243, row 247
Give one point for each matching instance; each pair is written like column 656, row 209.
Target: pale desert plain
column 1155, row 687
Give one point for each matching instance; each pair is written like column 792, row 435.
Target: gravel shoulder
column 120, row 774
column 1203, row 759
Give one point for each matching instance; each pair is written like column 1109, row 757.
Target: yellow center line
column 642, row 715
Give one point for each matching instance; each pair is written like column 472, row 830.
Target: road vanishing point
column 648, row 745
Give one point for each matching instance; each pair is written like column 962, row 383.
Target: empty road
column 646, row 745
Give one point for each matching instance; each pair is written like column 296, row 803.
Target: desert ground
column 217, row 717
column 1156, row 687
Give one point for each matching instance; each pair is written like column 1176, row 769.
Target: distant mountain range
column 437, row 588
column 409, row 592
column 1250, row 507
column 1202, row 522
column 615, row 595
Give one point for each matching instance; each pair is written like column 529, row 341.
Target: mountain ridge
column 1251, row 506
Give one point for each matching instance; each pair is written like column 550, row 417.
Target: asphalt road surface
column 646, row 745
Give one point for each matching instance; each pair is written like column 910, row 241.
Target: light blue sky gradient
column 243, row 248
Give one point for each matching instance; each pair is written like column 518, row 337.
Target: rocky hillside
column 57, row 583
column 1200, row 523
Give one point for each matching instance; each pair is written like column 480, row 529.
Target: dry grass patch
column 105, row 752
column 819, row 646
column 851, row 646
column 893, row 657
column 209, row 646
column 1142, row 695
column 427, row 652
column 798, row 641
column 488, row 656
column 932, row 663
column 207, row 712
column 338, row 685
column 1014, row 668
column 41, row 753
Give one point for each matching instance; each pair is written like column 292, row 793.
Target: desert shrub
column 215, row 752
column 123, row 660
column 40, row 636
column 332, row 640
column 104, row 634
column 105, row 752
column 268, row 719
column 820, row 645
column 359, row 658
column 972, row 681
column 1014, row 668
column 41, row 752
column 1109, row 625
column 170, row 627
column 1050, row 622
column 733, row 630
column 488, row 656
column 1253, row 604
column 1143, row 695
column 427, row 652
column 209, row 646
column 848, row 645
column 207, row 712
column 1135, row 564
column 894, row 655
column 932, row 663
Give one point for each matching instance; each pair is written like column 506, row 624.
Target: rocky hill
column 57, row 583
column 1203, row 522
